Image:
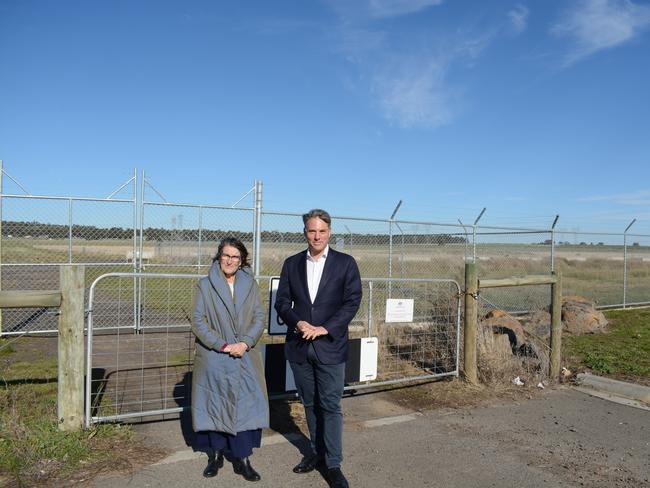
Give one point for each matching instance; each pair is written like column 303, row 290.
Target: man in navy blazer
column 318, row 296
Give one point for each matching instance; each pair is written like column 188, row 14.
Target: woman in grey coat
column 229, row 399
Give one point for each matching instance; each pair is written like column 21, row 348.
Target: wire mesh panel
column 184, row 236
column 146, row 373
column 425, row 345
column 166, row 302
column 102, row 231
column 422, row 250
column 218, row 223
column 40, row 234
column 382, row 248
column 501, row 253
column 591, row 266
column 35, row 230
column 170, row 235
column 366, row 240
column 638, row 269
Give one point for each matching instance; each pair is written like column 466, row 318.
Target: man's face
column 317, row 233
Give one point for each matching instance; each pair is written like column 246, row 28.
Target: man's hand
column 236, row 350
column 313, row 332
column 303, row 326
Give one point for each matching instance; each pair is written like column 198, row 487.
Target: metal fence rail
column 138, row 375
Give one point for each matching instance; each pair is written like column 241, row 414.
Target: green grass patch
column 624, row 351
column 6, row 347
column 32, row 449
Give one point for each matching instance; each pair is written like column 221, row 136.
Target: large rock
column 579, row 316
column 494, row 346
column 537, row 323
column 502, row 323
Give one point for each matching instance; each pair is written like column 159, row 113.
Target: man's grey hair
column 319, row 214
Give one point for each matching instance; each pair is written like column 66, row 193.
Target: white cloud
column 595, row 25
column 518, row 18
column 408, row 72
column 640, row 197
column 393, row 8
column 415, row 94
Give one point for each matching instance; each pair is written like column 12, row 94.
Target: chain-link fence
column 186, row 236
column 502, row 253
column 611, row 269
column 39, row 234
column 148, row 371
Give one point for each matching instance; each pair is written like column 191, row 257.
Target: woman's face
column 230, row 260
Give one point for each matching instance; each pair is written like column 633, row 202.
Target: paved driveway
column 563, row 438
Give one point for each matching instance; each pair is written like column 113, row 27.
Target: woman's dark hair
column 237, row 244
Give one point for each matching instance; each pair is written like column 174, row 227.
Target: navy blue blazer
column 337, row 302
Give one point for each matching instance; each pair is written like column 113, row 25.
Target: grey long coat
column 228, row 394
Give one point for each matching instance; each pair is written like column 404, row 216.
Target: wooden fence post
column 556, row 327
column 70, row 411
column 471, row 316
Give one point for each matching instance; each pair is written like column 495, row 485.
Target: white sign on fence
column 399, row 310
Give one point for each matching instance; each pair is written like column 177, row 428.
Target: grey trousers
column 320, row 387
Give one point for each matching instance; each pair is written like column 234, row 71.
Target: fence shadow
column 98, row 382
column 183, row 397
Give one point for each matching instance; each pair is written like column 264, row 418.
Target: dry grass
column 33, row 452
column 498, row 365
column 455, row 393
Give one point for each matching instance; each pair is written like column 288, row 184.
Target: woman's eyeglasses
column 228, row 257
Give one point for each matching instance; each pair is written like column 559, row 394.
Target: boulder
column 538, row 323
column 494, row 347
column 579, row 316
column 495, row 313
column 502, row 323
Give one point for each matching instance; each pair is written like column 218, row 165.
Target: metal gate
column 135, row 375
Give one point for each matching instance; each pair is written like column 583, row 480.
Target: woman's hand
column 236, row 350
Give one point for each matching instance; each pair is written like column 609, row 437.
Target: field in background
column 590, row 270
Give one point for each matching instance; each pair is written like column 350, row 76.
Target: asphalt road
column 564, row 438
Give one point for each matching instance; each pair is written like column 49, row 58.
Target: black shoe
column 243, row 466
column 307, row 464
column 336, row 478
column 214, row 464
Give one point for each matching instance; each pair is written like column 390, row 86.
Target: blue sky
column 530, row 109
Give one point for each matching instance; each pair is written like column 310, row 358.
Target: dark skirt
column 237, row 446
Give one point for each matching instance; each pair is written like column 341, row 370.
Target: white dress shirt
column 315, row 272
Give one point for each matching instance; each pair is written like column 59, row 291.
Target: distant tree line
column 39, row 230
